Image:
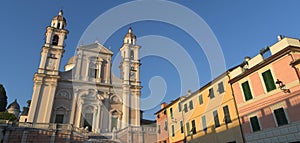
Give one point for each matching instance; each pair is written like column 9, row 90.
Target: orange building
column 162, row 124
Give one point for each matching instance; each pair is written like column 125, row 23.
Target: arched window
column 92, row 70
column 131, row 54
column 55, row 40
column 88, row 117
column 58, row 25
column 114, row 120
column 60, row 113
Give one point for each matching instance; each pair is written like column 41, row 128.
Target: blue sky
column 241, row 27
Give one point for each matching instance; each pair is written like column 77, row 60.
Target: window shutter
column 247, row 91
column 268, row 79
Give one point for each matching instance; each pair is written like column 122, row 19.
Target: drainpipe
column 293, row 60
column 236, row 109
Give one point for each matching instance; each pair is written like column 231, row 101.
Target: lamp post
column 282, row 87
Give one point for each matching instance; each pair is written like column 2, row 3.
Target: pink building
column 162, row 124
column 267, row 92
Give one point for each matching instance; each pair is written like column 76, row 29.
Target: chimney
column 163, row 105
column 279, row 37
column 247, row 59
column 189, row 92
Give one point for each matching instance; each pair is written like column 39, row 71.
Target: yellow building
column 175, row 121
column 210, row 115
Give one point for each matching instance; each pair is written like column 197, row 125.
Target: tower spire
column 130, row 75
column 46, row 79
column 60, row 12
column 130, row 38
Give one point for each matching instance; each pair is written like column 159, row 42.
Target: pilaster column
column 43, row 61
column 137, row 109
column 138, row 73
column 94, row 126
column 106, row 117
column 79, row 114
column 74, row 105
column 78, row 66
column 98, row 123
column 99, row 64
column 86, row 76
column 125, row 107
column 107, row 80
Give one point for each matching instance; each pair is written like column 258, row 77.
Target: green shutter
column 173, row 131
column 280, row 117
column 221, row 87
column 247, row 91
column 254, row 124
column 191, row 105
column 226, row 114
column 268, row 79
column 188, row 128
column 211, row 93
column 216, row 118
column 204, row 123
column 200, row 99
column 181, row 126
column 194, row 127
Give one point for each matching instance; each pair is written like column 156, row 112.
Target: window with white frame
column 247, row 91
column 227, row 118
column 200, row 99
column 204, row 127
column 166, row 125
column 158, row 129
column 216, row 119
column 211, row 93
column 254, row 124
column 280, row 117
column 191, row 105
column 173, row 131
column 268, row 80
column 181, row 127
column 221, row 87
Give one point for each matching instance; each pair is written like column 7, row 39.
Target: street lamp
column 282, row 87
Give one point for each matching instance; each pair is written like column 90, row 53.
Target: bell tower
column 130, row 75
column 46, row 78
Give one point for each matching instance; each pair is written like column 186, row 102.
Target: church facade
column 86, row 95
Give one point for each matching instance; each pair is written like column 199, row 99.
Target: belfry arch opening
column 55, row 40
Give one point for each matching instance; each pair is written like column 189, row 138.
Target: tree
column 28, row 103
column 26, row 109
column 3, row 99
column 7, row 116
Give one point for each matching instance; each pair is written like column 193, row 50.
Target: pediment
column 96, row 47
